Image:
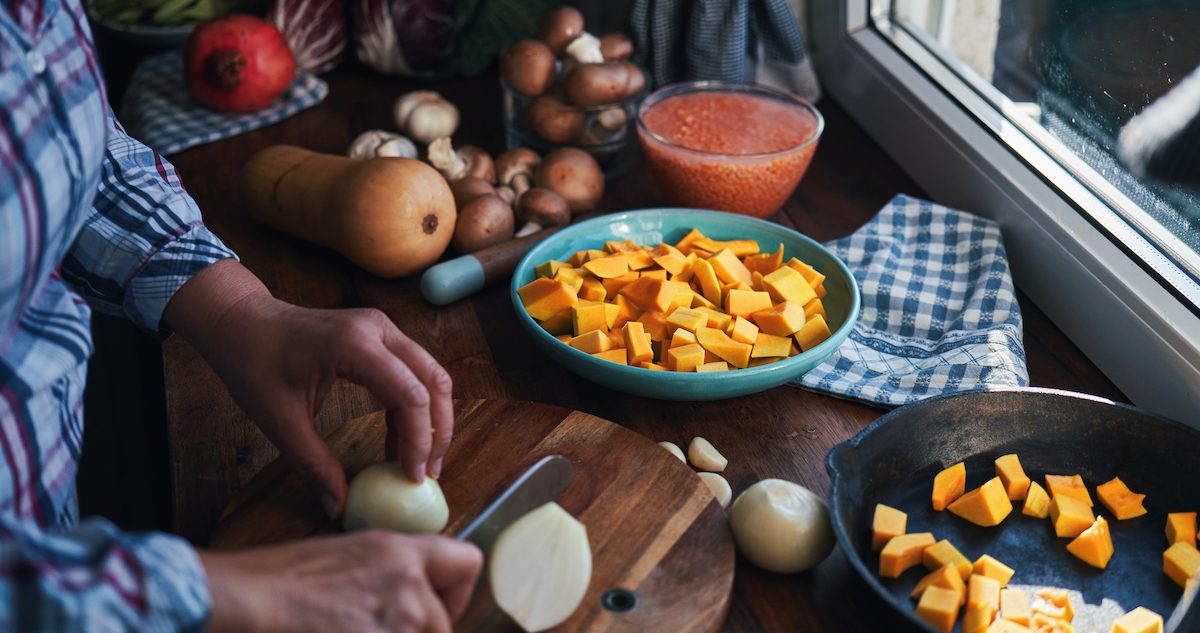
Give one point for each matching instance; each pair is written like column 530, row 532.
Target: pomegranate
column 237, row 63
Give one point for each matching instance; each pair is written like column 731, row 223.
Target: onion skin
column 781, row 526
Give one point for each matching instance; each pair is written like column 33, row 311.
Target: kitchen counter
column 784, row 432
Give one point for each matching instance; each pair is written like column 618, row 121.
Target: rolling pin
column 462, row 276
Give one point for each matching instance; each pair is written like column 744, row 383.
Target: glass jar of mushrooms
column 569, row 88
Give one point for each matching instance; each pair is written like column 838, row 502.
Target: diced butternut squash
column 1037, row 502
column 1054, row 603
column 548, row 268
column 786, row 284
column 706, row 279
column 655, row 324
column 685, row 358
column 1122, row 502
column 614, row 285
column 687, row 319
column 1014, row 606
column 637, row 343
column 657, row 273
column 592, row 290
column 683, row 295
column 716, row 318
column 949, row 485
column 887, row 524
column 939, row 607
column 1094, row 546
column 727, row 349
column 682, row 337
column 650, row 294
column 620, row 246
column 640, row 260
column 1012, row 476
column 1069, row 485
column 983, row 592
column 976, row 621
column 810, row 274
column 987, row 505
column 654, row 366
column 626, row 311
column 1140, row 620
column 613, row 355
column 715, row 366
column 1181, row 528
column 543, row 298
column 814, row 332
column 743, row 303
column 782, row 319
column 609, row 266
column 1007, row 626
column 685, row 244
column 729, row 268
column 944, row 553
column 770, row 346
column 744, row 331
column 1181, row 562
column 592, row 342
column 992, row 568
column 813, row 308
column 902, row 552
column 740, row 248
column 589, row 315
column 1070, row 516
column 561, row 323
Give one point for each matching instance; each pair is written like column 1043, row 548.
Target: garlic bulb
column 382, row 497
column 781, row 526
column 425, row 115
column 373, row 143
column 540, row 568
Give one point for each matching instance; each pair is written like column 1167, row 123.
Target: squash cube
column 1007, row 626
column 1140, row 620
column 614, row 285
column 683, row 295
column 983, row 592
column 740, row 248
column 592, row 342
column 1012, row 475
column 706, row 280
column 681, row 337
column 1181, row 528
column 946, row 577
column 654, row 366
column 944, row 553
column 743, row 303
column 782, row 319
column 613, row 356
column 1014, row 606
column 589, row 315
column 609, row 266
column 655, row 324
column 561, row 323
column 684, row 358
column 992, row 568
column 785, row 284
column 1070, row 516
column 548, row 268
column 903, row 552
column 1054, row 603
column 626, row 311
column 976, row 621
column 620, row 246
column 939, row 607
column 725, row 348
column 1122, row 502
column 949, row 485
column 687, row 319
column 656, row 273
column 813, row 333
column 1181, row 563
column 640, row 260
column 1069, row 485
column 729, row 268
column 637, row 343
column 759, row 362
column 1094, row 546
column 744, row 331
column 770, row 346
column 592, row 290
column 650, row 294
column 815, row 307
column 986, row 505
column 715, row 366
column 1037, row 502
column 716, row 318
column 543, row 298
column 685, row 245
column 809, row 273
column 669, row 258
column 887, row 524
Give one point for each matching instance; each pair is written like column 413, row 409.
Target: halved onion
column 382, row 497
column 781, row 526
column 540, row 568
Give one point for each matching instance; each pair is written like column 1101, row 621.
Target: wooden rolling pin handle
column 460, row 277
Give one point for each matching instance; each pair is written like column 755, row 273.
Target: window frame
column 1132, row 326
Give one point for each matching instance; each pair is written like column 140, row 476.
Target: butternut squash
column 390, row 216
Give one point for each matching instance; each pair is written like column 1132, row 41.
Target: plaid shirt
column 85, row 211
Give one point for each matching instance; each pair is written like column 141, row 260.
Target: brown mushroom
column 555, row 121
column 605, row 126
column 616, row 47
column 515, row 168
column 600, row 84
column 573, row 174
column 482, row 222
column 468, row 188
column 528, row 67
column 539, row 208
column 468, row 160
column 559, row 27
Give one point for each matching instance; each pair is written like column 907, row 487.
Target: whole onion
column 403, row 37
column 314, row 29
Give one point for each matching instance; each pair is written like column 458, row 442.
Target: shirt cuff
column 167, row 269
column 176, row 592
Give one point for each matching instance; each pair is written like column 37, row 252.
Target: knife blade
column 541, row 483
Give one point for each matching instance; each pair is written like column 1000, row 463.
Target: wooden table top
column 784, row 432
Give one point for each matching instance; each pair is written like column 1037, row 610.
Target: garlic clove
column 540, row 568
column 381, row 496
column 398, row 146
column 719, row 487
column 585, row 49
column 705, row 457
column 674, row 450
column 365, row 144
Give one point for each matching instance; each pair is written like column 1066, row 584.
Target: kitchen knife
column 541, row 483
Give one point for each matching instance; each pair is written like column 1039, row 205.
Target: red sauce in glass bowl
column 741, row 150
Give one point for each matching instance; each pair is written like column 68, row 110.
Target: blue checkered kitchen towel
column 939, row 313
column 158, row 111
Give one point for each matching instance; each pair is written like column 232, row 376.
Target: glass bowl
column 711, row 156
column 606, row 131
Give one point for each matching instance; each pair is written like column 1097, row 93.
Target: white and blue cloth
column 939, row 312
column 158, row 110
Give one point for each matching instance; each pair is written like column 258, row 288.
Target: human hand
column 365, row 582
column 279, row 362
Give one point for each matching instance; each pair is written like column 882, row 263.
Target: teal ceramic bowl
column 654, row 226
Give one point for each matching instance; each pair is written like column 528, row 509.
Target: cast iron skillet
column 894, row 460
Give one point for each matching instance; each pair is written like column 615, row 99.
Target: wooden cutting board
column 655, row 528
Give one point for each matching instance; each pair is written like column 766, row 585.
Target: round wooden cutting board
column 655, row 528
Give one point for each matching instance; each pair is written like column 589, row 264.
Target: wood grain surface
column 784, row 432
column 653, row 525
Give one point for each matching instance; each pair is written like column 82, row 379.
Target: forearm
column 204, row 309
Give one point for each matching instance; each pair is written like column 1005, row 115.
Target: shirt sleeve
column 143, row 238
column 97, row 578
